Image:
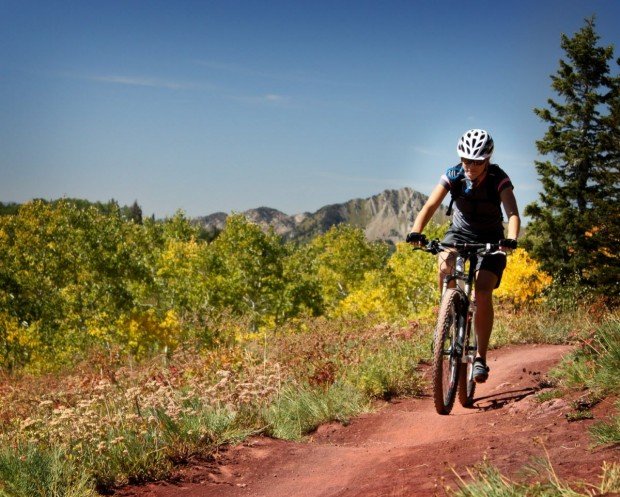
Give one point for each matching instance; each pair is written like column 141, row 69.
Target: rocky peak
column 386, row 216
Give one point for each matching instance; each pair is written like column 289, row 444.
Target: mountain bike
column 454, row 342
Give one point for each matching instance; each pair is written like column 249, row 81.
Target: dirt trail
column 405, row 448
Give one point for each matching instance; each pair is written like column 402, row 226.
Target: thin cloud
column 147, row 82
column 427, row 152
column 291, row 76
column 143, row 81
column 270, row 98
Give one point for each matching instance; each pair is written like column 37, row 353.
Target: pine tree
column 574, row 228
column 135, row 212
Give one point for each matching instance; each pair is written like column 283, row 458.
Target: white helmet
column 475, row 144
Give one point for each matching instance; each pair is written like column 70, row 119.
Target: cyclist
column 479, row 189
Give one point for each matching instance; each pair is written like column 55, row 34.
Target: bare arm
column 512, row 212
column 429, row 208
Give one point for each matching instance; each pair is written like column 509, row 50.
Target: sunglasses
column 471, row 162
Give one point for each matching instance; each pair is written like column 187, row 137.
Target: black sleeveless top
column 477, row 216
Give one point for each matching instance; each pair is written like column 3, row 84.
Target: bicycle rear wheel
column 446, row 359
column 467, row 385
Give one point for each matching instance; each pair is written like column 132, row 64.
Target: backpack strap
column 455, row 175
column 449, row 211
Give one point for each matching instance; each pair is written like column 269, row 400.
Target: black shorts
column 495, row 263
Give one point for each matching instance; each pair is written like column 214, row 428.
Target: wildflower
column 27, row 423
column 132, row 393
column 102, row 385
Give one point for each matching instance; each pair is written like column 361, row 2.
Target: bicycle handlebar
column 435, row 246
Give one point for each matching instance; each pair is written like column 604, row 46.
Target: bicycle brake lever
column 433, row 247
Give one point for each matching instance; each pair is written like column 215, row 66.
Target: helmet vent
column 475, row 144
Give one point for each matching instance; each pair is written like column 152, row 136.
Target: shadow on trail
column 499, row 400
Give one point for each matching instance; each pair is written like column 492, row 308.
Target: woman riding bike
column 479, row 189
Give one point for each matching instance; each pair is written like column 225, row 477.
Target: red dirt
column 406, row 449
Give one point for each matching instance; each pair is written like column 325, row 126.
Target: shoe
column 481, row 370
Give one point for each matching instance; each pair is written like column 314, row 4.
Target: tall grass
column 607, row 432
column 596, row 362
column 27, row 470
column 128, row 423
column 595, row 366
column 542, row 324
column 113, row 421
column 488, row 481
column 298, row 410
column 390, row 371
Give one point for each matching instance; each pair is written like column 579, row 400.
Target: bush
column 489, row 482
column 298, row 410
column 28, row 470
column 523, row 280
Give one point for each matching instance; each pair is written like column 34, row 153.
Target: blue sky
column 228, row 105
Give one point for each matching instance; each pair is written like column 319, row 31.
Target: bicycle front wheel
column 446, row 357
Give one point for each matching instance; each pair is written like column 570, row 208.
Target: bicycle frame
column 464, row 283
column 454, row 341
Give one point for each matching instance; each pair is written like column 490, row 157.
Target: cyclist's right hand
column 508, row 243
column 417, row 239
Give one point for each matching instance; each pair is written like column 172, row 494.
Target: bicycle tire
column 467, row 385
column 446, row 361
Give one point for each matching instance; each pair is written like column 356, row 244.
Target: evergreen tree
column 135, row 212
column 8, row 209
column 574, row 228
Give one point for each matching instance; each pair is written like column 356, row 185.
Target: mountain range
column 386, row 216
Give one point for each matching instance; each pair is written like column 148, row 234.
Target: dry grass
column 120, row 422
column 111, row 421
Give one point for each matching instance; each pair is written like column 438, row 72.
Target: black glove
column 509, row 243
column 416, row 238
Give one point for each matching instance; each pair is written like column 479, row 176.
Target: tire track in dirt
column 405, row 448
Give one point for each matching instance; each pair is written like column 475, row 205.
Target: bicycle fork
column 462, row 341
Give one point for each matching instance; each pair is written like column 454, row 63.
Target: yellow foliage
column 522, row 280
column 20, row 334
column 101, row 327
column 178, row 257
column 144, row 332
column 405, row 288
column 367, row 301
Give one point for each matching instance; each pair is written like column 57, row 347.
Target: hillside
column 385, row 216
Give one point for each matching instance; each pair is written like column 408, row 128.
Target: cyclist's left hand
column 416, row 239
column 507, row 244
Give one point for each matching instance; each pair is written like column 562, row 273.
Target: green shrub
column 607, row 432
column 549, row 395
column 489, row 482
column 299, row 410
column 389, row 371
column 596, row 363
column 27, row 471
